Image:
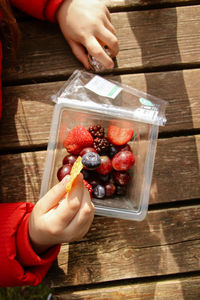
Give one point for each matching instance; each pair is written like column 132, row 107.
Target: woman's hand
column 52, row 223
column 86, row 24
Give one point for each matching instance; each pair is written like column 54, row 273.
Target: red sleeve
column 0, row 79
column 41, row 9
column 20, row 265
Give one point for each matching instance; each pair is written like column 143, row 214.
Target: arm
column 16, row 252
column 53, row 221
column 41, row 9
column 85, row 24
column 31, row 235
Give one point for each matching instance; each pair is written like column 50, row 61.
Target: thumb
column 54, row 195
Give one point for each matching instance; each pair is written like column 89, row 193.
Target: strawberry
column 119, row 136
column 77, row 139
column 89, row 187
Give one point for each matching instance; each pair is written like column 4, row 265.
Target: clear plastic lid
column 91, row 92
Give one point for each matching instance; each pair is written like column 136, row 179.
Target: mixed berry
column 97, row 131
column 107, row 159
column 91, row 160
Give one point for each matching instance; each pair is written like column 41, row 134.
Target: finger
column 79, row 52
column 86, row 212
column 109, row 39
column 109, row 26
column 96, row 50
column 108, row 14
column 70, row 206
column 53, row 196
column 81, row 223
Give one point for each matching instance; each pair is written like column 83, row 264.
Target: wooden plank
column 115, row 5
column 176, row 172
column 181, row 289
column 166, row 242
column 160, row 37
column 27, row 114
column 124, row 4
column 25, row 106
column 21, row 176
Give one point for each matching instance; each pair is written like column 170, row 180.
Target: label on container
column 103, row 87
column 148, row 113
column 145, row 101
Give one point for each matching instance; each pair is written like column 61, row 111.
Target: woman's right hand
column 53, row 223
column 86, row 24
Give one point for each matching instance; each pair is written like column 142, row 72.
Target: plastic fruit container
column 78, row 104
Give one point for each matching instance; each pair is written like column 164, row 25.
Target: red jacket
column 19, row 264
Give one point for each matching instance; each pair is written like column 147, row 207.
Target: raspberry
column 101, row 145
column 97, row 131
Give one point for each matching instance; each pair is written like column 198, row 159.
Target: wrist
column 39, row 245
column 62, row 7
column 39, row 248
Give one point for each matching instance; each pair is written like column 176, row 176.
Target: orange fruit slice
column 76, row 169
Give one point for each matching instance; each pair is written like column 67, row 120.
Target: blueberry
column 86, row 174
column 104, row 178
column 91, row 160
column 112, row 151
column 99, row 191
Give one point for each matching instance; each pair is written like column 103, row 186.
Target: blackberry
column 97, row 131
column 101, row 145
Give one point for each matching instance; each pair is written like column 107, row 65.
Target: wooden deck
column 158, row 258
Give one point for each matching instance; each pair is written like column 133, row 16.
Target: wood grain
column 158, row 37
column 25, row 106
column 176, row 174
column 181, row 289
column 166, row 242
column 115, row 253
column 124, row 4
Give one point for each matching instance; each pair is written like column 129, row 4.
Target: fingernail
column 66, row 179
column 81, row 176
